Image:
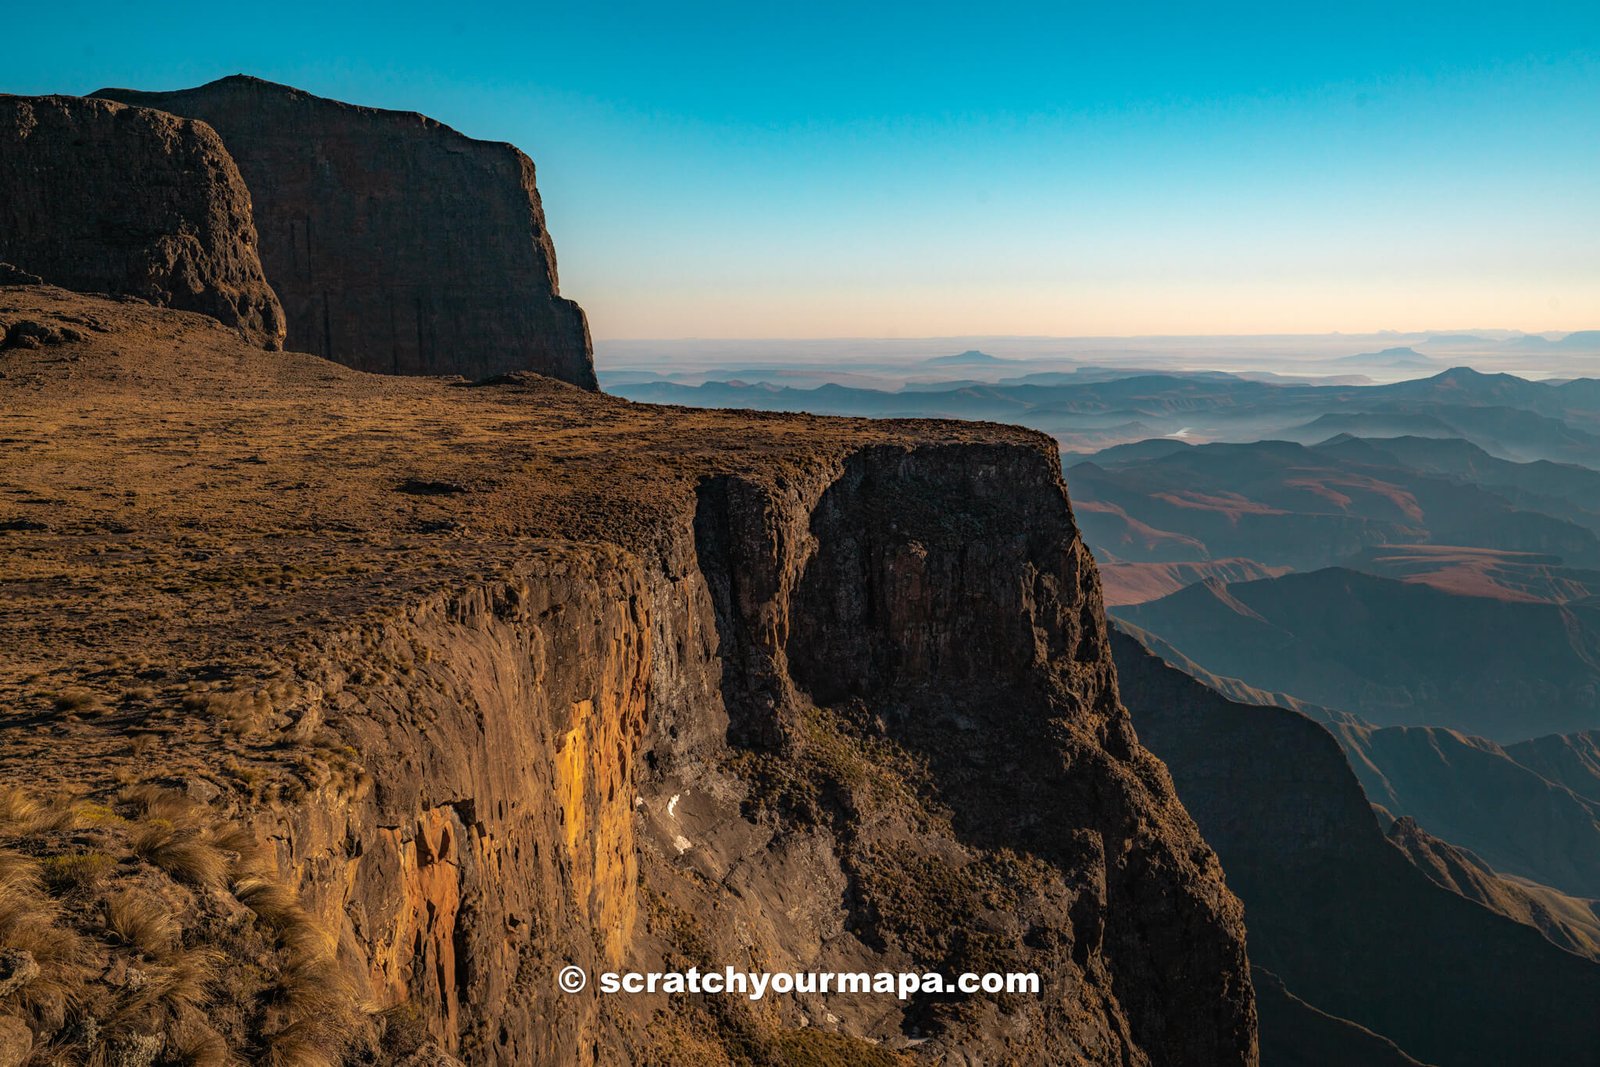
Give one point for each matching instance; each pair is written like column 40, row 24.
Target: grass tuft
column 77, row 873
column 194, row 1044
column 184, row 855
column 141, row 922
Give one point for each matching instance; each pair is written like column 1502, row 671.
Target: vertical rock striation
column 875, row 693
column 603, row 685
column 396, row 244
column 104, row 198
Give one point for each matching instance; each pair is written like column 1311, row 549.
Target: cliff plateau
column 341, row 711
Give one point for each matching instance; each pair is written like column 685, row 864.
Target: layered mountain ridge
column 1337, row 914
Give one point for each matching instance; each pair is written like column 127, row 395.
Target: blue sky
column 757, row 170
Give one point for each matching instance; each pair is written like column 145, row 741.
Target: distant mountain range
column 1284, row 504
column 970, row 358
column 1453, row 653
column 1088, row 409
column 1398, row 358
column 1528, row 807
column 1577, row 341
column 1481, row 572
column 1481, row 795
column 1136, row 583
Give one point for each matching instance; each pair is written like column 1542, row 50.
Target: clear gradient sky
column 896, row 169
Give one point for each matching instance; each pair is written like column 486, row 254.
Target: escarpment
column 515, row 677
column 396, row 244
column 101, row 197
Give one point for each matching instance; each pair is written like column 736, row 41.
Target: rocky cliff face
column 1335, row 911
column 100, row 197
column 861, row 720
column 396, row 244
column 586, row 682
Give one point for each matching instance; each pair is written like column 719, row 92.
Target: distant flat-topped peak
column 968, row 358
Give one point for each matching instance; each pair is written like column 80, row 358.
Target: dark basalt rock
column 397, row 244
column 104, row 198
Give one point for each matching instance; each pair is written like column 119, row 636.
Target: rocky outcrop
column 396, row 244
column 1337, row 912
column 100, row 197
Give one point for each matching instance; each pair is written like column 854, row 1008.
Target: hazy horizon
column 893, row 362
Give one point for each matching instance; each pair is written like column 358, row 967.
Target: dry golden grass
column 77, row 701
column 185, row 855
column 142, row 922
column 81, row 918
column 156, row 804
column 30, row 922
column 22, row 814
column 78, row 872
column 279, row 908
column 184, row 981
column 248, row 854
column 194, row 1044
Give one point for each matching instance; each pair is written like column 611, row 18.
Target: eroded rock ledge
column 640, row 687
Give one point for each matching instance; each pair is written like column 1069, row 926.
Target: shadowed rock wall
column 103, row 198
column 396, row 244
